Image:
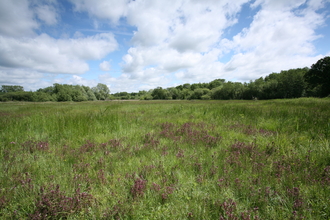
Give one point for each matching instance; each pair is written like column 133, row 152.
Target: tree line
column 293, row 83
column 56, row 93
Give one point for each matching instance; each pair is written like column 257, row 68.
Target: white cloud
column 178, row 36
column 105, row 66
column 104, row 9
column 186, row 38
column 120, row 84
column 29, row 79
column 34, row 80
column 47, row 14
column 164, row 59
column 78, row 80
column 46, row 54
column 181, row 35
column 18, row 76
column 16, row 19
column 173, row 40
column 317, row 4
column 279, row 4
column 183, row 25
column 207, row 69
column 125, row 83
column 89, row 48
column 274, row 42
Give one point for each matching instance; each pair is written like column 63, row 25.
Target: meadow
column 165, row 160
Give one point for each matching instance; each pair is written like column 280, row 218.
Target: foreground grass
column 165, row 160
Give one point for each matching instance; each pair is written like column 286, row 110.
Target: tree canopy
column 8, row 88
column 318, row 78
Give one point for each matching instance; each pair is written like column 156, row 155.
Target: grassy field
column 165, row 160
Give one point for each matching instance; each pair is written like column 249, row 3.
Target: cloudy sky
column 133, row 45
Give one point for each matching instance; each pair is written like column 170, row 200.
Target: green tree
column 318, row 78
column 122, row 95
column 199, row 93
column 43, row 97
column 186, row 93
column 63, row 92
column 229, row 90
column 199, row 86
column 50, row 90
column 175, row 93
column 186, row 86
column 101, row 91
column 18, row 96
column 90, row 94
column 216, row 83
column 292, row 83
column 180, row 87
column 160, row 93
column 79, row 94
column 270, row 90
column 7, row 88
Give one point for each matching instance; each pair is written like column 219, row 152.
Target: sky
column 134, row 45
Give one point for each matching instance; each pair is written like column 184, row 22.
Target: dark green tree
column 199, row 93
column 175, row 93
column 186, row 86
column 318, row 78
column 228, row 90
column 160, row 93
column 198, row 86
column 216, row 83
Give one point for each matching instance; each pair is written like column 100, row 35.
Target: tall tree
column 101, row 91
column 318, row 78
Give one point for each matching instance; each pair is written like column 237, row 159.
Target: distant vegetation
column 294, row 83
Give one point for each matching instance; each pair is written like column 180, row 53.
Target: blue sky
column 142, row 44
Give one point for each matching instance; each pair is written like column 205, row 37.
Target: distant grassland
column 165, row 160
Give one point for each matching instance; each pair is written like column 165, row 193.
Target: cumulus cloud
column 178, row 36
column 182, row 25
column 165, row 59
column 16, row 19
column 173, row 40
column 274, row 41
column 47, row 13
column 78, row 80
column 89, row 48
column 105, row 66
column 105, row 9
column 186, row 37
column 125, row 83
column 27, row 57
column 18, row 76
column 29, row 79
column 46, row 54
column 279, row 4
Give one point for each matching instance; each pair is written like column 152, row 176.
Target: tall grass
column 165, row 160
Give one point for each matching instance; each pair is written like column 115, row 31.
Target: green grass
column 165, row 160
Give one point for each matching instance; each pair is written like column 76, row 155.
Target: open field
column 165, row 160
